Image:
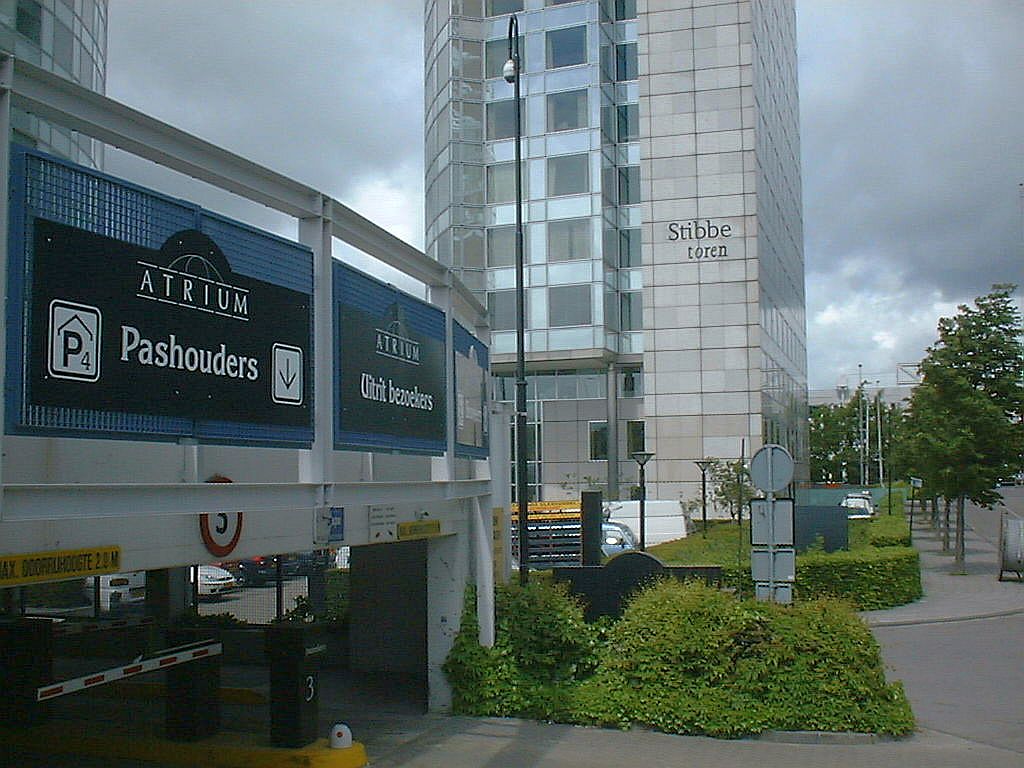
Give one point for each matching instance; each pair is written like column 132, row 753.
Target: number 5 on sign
column 221, row 532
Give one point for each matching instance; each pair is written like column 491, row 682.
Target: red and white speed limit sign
column 220, row 531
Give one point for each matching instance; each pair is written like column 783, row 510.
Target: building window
column 500, row 7
column 629, row 248
column 635, row 437
column 501, row 118
column 598, row 440
column 558, row 2
column 567, row 110
column 496, row 54
column 569, row 239
column 631, row 382
column 63, row 46
column 625, row 9
column 501, row 183
column 29, row 21
column 631, row 312
column 569, row 305
column 629, row 185
column 501, row 310
column 566, row 47
column 568, row 175
column 501, row 247
column 629, row 122
column 626, row 67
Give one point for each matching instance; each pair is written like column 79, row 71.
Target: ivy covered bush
column 684, row 658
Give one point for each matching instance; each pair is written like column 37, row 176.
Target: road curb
column 942, row 619
column 838, row 738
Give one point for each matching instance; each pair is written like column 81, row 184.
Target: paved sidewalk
column 954, row 598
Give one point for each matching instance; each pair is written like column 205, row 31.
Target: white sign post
column 772, row 556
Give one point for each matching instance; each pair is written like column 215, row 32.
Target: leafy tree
column 965, row 428
column 730, row 483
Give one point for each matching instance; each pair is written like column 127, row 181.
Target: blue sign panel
column 136, row 316
column 389, row 368
column 471, row 419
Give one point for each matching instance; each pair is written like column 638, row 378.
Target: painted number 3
column 310, row 688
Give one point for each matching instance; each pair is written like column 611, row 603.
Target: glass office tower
column 662, row 226
column 68, row 37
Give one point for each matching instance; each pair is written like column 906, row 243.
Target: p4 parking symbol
column 74, row 341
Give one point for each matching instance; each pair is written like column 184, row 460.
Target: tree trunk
column 960, row 565
column 945, row 528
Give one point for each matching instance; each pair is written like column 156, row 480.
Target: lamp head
column 642, row 457
column 510, row 71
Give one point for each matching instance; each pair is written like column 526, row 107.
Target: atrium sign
column 118, row 327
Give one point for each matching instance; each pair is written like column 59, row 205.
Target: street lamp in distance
column 511, row 72
column 705, row 465
column 641, row 458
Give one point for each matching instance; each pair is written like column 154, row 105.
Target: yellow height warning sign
column 54, row 566
column 566, row 509
column 421, row 529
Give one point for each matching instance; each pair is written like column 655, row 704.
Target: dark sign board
column 134, row 315
column 471, row 363
column 389, row 367
column 169, row 332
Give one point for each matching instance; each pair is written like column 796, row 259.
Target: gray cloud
column 912, row 138
column 912, row 116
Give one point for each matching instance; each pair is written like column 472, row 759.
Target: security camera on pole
column 772, row 556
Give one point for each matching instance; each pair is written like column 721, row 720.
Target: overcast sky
column 912, row 115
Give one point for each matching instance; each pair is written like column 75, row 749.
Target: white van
column 118, row 590
column 663, row 520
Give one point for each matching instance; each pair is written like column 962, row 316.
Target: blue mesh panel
column 261, row 255
column 49, row 187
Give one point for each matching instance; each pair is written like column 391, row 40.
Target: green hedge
column 868, row 579
column 684, row 658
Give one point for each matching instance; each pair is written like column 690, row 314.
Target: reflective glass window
column 569, row 305
column 631, row 312
column 635, row 437
column 598, row 440
column 629, row 122
column 626, row 62
column 496, row 54
column 566, row 47
column 501, row 247
column 501, row 119
column 569, row 239
column 501, row 183
column 568, row 175
column 629, row 248
column 625, row 9
column 501, row 310
column 629, row 185
column 29, row 21
column 567, row 110
column 499, row 7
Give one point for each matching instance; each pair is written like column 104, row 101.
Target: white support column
column 443, row 469
column 483, row 549
column 501, row 483
column 315, row 232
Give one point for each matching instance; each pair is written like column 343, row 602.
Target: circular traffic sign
column 220, row 531
column 771, row 469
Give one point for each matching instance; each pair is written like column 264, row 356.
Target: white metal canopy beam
column 54, row 98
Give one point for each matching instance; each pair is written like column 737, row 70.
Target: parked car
column 213, row 581
column 858, row 506
column 118, row 591
column 616, row 538
column 256, row 571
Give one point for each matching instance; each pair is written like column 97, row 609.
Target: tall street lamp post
column 511, row 74
column 704, row 465
column 641, row 458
